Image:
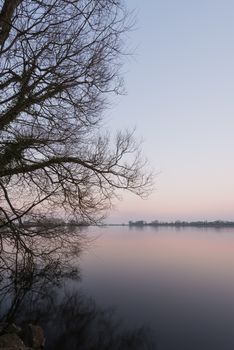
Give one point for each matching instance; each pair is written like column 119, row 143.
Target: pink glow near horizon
column 180, row 98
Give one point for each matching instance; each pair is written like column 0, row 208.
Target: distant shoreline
column 139, row 223
column 216, row 223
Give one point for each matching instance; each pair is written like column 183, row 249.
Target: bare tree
column 59, row 60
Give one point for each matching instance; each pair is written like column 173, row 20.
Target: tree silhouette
column 59, row 60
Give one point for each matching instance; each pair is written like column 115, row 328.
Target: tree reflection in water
column 33, row 289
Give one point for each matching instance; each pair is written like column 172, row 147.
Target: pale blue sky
column 180, row 97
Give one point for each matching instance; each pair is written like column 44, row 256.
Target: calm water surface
column 179, row 282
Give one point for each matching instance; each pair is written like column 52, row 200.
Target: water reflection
column 181, row 283
column 36, row 288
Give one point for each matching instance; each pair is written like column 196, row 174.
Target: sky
column 180, row 98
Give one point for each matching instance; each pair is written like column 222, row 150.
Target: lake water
column 179, row 282
column 140, row 288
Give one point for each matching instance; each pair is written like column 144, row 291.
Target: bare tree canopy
column 59, row 60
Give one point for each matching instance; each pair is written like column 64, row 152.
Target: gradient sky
column 180, row 98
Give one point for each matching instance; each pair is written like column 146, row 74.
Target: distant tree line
column 178, row 223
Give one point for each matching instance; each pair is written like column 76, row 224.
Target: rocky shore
column 25, row 337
